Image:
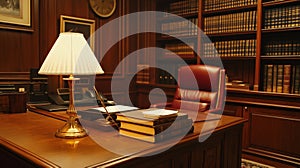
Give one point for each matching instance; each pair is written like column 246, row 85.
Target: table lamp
column 71, row 55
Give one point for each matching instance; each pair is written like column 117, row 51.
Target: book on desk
column 154, row 128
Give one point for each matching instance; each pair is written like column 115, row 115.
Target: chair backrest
column 200, row 88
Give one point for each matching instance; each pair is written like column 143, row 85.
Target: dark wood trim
column 14, row 76
column 263, row 104
column 272, row 155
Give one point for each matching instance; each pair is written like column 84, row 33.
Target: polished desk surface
column 31, row 134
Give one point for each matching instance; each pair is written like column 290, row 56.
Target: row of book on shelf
column 230, row 48
column 179, row 49
column 281, row 78
column 184, row 7
column 233, row 22
column 282, row 17
column 186, row 27
column 212, row 5
column 281, row 47
column 143, row 73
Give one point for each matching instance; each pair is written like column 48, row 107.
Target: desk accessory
column 109, row 120
column 71, row 55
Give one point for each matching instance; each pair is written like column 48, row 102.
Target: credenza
column 13, row 102
column 27, row 140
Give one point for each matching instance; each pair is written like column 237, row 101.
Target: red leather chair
column 200, row 88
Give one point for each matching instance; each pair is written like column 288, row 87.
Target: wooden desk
column 28, row 139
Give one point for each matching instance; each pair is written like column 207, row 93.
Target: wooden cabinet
column 271, row 132
column 13, row 102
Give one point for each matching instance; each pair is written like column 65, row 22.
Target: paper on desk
column 159, row 113
column 115, row 108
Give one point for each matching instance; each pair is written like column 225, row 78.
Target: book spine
column 147, row 122
column 286, row 78
column 158, row 137
column 265, row 76
column 279, row 87
column 296, row 89
column 269, row 77
column 274, row 80
column 177, row 124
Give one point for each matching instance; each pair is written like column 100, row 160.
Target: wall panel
column 22, row 50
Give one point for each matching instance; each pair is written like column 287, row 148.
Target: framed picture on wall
column 16, row 14
column 80, row 25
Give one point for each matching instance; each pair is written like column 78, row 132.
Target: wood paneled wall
column 22, row 50
column 19, row 48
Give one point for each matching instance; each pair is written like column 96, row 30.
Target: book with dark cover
column 153, row 130
column 286, row 78
column 158, row 137
column 138, row 117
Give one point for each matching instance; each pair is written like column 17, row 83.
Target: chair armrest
column 161, row 105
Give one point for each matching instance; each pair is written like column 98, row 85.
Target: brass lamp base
column 72, row 129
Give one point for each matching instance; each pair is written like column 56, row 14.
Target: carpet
column 251, row 164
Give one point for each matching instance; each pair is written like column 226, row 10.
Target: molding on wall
column 14, row 76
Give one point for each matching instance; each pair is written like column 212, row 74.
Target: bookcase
column 257, row 41
column 280, row 52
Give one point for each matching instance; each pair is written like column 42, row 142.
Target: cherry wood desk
column 27, row 139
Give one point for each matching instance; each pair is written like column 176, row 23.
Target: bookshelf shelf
column 229, row 10
column 239, row 58
column 185, row 15
column 229, row 34
column 278, row 2
column 283, row 30
column 165, row 38
column 281, row 57
column 174, row 60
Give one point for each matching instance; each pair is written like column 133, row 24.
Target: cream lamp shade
column 71, row 55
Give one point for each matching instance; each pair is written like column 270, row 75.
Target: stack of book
column 154, row 125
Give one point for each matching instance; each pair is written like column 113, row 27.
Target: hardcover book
column 137, row 116
column 153, row 130
column 158, row 137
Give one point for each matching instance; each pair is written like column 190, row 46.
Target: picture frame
column 80, row 25
column 16, row 14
